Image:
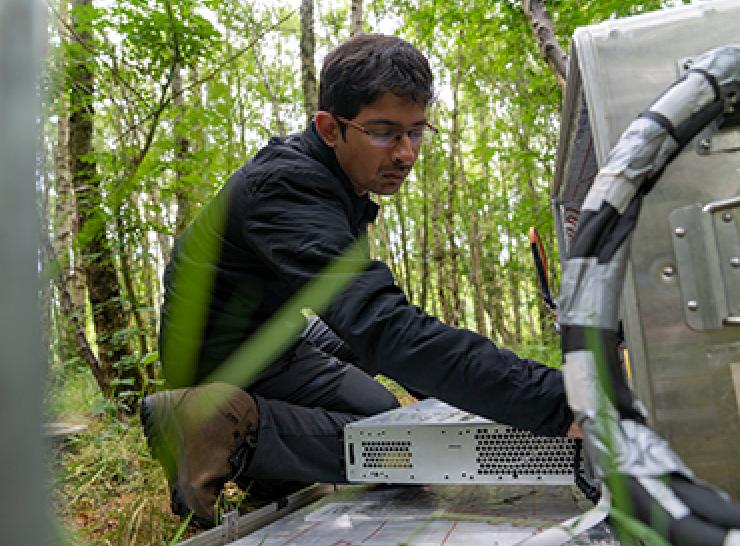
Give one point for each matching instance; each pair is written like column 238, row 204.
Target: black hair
column 360, row 70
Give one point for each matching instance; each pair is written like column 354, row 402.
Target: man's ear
column 327, row 127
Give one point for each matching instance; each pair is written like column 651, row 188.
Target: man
column 299, row 205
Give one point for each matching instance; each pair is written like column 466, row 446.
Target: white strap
column 567, row 530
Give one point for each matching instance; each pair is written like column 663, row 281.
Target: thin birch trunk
column 183, row 190
column 424, row 251
column 126, row 270
column 458, row 311
column 274, row 102
column 547, row 42
column 476, row 265
column 502, row 317
column 308, row 68
column 355, row 26
column 438, row 255
column 390, row 257
column 398, row 202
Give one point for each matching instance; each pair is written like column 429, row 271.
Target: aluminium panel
column 424, row 515
column 684, row 359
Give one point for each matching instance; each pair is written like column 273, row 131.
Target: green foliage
column 71, row 392
column 108, row 490
column 160, row 154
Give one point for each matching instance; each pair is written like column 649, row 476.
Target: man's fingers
column 575, row 431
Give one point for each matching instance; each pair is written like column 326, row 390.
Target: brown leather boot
column 203, row 436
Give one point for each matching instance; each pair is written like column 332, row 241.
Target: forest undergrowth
column 107, row 490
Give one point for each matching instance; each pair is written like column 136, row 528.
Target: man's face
column 380, row 169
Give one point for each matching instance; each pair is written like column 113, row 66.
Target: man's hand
column 574, row 431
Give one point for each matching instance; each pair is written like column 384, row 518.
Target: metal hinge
column 706, row 242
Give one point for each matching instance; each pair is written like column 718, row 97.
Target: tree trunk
column 109, row 316
column 476, row 265
column 126, row 274
column 438, row 255
column 458, row 310
column 355, row 17
column 547, row 42
column 65, row 213
column 398, row 202
column 274, row 102
column 148, row 263
column 516, row 304
column 183, row 190
column 386, row 247
column 424, row 251
column 308, row 67
column 503, row 318
column 78, row 325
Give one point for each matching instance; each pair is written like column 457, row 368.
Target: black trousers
column 304, row 400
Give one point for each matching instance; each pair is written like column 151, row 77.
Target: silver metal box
column 681, row 298
column 432, row 442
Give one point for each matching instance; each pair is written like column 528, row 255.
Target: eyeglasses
column 389, row 135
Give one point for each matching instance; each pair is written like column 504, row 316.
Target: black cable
column 589, row 491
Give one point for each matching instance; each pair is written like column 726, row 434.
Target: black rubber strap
column 601, row 341
column 712, row 81
column 661, row 120
column 591, row 492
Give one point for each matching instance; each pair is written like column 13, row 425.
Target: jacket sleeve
column 299, row 232
column 321, row 336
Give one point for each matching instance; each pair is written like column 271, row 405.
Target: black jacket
column 276, row 224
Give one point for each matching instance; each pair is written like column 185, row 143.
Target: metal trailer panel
column 24, row 517
column 431, row 442
column 415, row 515
column 681, row 295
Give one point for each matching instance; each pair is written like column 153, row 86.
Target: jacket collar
column 315, row 146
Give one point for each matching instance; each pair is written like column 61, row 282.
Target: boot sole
column 157, row 415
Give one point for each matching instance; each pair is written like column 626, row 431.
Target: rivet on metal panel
column 668, row 271
column 735, row 261
column 693, row 305
column 680, row 232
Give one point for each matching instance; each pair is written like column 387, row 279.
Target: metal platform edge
column 235, row 526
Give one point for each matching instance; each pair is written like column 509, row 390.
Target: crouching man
column 299, row 205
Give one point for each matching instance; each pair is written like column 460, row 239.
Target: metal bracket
column 230, row 527
column 706, row 242
column 714, row 140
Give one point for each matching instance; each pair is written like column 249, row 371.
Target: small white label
column 735, row 371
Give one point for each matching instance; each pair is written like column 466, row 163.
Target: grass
column 106, row 488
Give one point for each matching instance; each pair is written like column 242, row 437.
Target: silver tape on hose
column 590, row 291
column 579, row 376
